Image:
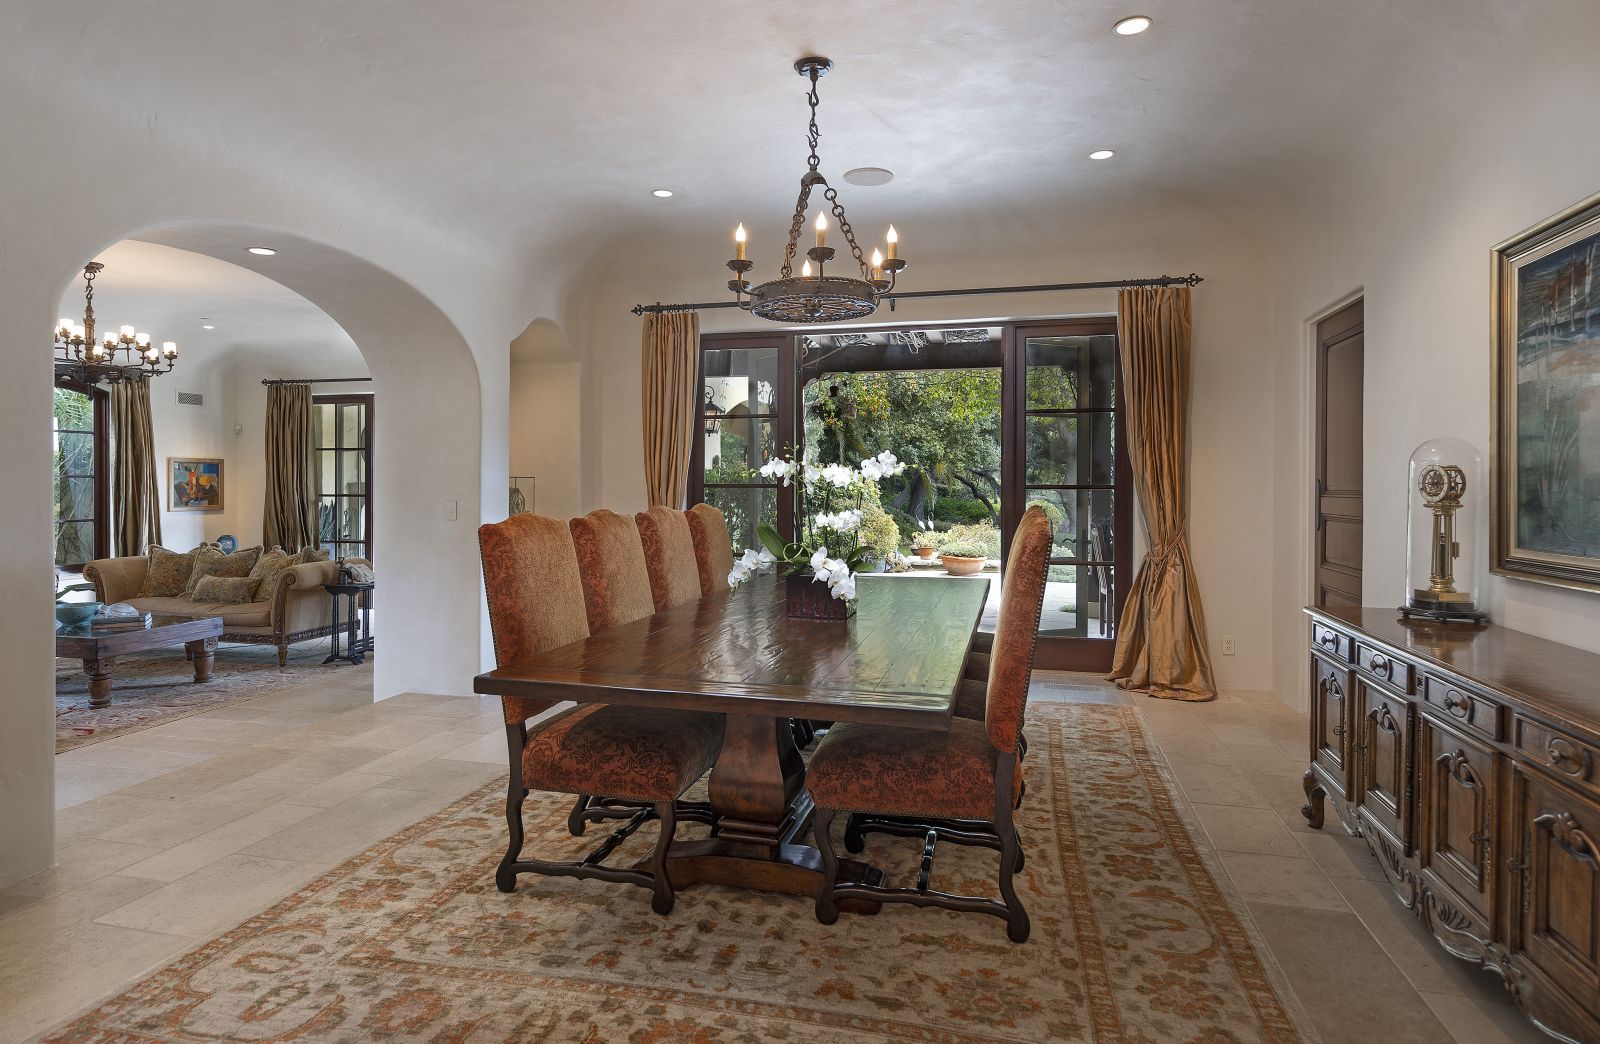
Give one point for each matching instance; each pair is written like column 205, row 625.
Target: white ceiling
column 166, row 292
column 542, row 123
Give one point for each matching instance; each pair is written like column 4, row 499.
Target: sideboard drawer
column 1466, row 708
column 1567, row 758
column 1331, row 642
column 1376, row 663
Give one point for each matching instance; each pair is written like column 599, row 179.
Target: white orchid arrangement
column 748, row 564
column 831, row 513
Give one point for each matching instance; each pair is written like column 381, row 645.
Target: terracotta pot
column 806, row 599
column 957, row 566
column 924, row 553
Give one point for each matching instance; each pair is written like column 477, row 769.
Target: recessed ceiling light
column 869, row 176
column 263, row 251
column 1101, row 154
column 206, row 324
column 1132, row 26
column 662, row 193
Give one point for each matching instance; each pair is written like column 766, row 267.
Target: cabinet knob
column 1378, row 664
column 1456, row 703
column 1329, row 639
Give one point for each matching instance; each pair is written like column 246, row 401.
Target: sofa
column 297, row 609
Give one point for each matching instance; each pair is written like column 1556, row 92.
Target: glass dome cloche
column 1444, row 532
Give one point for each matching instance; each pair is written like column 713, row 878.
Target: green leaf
column 773, row 542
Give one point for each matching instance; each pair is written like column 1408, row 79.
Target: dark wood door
column 1558, row 917
column 1383, row 750
column 1339, row 416
column 1330, row 715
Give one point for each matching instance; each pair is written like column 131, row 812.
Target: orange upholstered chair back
column 1021, row 599
column 530, row 575
column 616, row 583
column 713, row 548
column 669, row 556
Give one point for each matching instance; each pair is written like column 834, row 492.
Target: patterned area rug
column 1133, row 939
column 155, row 687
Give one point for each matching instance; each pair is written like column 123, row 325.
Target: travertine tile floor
column 171, row 835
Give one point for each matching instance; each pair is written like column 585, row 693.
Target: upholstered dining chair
column 646, row 756
column 960, row 786
column 611, row 563
column 669, row 556
column 713, row 548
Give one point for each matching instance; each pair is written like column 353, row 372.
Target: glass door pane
column 1067, row 441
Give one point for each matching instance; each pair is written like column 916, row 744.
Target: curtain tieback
column 1162, row 553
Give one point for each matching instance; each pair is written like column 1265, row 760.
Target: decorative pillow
column 168, row 573
column 214, row 590
column 311, row 554
column 267, row 568
column 215, row 563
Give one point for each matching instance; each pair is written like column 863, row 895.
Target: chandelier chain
column 795, row 225
column 849, row 233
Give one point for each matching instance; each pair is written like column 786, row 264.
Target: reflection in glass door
column 341, row 430
column 1068, row 455
column 742, row 424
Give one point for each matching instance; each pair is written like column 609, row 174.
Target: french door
column 1066, row 451
column 1062, row 446
column 342, row 431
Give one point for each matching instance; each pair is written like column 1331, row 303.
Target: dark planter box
column 808, row 600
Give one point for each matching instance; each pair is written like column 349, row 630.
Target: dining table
column 898, row 660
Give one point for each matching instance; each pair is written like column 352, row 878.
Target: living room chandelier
column 126, row 355
column 814, row 296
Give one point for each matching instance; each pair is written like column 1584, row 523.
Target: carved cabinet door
column 1455, row 812
column 1383, row 740
column 1330, row 717
column 1556, row 897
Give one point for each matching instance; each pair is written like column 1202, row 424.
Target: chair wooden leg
column 283, row 655
column 505, row 878
column 662, row 901
column 855, row 838
column 822, row 827
column 575, row 820
column 1017, row 924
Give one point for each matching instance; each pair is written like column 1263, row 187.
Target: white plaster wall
column 195, row 431
column 432, row 314
column 1231, row 410
column 1412, row 226
column 547, row 433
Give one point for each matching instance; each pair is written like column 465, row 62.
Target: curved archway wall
column 432, row 312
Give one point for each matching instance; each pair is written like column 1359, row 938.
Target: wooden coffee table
column 99, row 650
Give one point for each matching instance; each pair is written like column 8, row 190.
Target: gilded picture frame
column 1545, row 429
column 194, row 484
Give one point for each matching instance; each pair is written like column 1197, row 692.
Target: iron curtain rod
column 318, row 380
column 1191, row 279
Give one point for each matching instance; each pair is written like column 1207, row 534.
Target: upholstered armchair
column 646, row 757
column 713, row 548
column 669, row 556
column 959, row 786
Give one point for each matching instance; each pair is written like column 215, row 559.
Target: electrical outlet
column 1227, row 645
column 449, row 511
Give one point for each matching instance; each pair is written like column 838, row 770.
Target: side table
column 356, row 630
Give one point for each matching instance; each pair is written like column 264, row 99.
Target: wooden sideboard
column 1468, row 757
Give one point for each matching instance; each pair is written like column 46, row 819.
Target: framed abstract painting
column 194, row 484
column 1545, row 486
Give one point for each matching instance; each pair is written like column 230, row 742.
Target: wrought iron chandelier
column 126, row 355
column 814, row 296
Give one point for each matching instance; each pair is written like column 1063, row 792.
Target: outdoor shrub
column 985, row 534
column 967, row 548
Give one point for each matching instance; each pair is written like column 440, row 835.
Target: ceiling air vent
column 191, row 398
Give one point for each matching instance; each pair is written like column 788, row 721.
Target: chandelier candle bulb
column 894, row 243
column 169, row 349
column 738, row 242
column 877, row 263
column 822, row 230
column 805, row 269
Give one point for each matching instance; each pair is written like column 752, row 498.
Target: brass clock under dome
column 1443, row 519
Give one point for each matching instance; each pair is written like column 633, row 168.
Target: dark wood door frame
column 1337, row 512
column 367, row 400
column 101, row 398
column 1053, row 652
column 784, row 421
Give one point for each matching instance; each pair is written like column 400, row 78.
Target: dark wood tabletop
column 898, row 661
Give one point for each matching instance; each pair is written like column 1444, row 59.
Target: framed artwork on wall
column 1545, row 486
column 194, row 484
